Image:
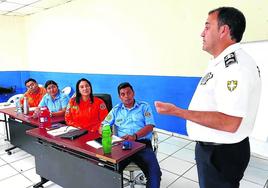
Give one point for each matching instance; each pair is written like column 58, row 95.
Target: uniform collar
column 37, row 91
column 57, row 96
column 136, row 104
column 226, row 51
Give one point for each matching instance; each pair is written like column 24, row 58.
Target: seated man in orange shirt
column 84, row 110
column 34, row 93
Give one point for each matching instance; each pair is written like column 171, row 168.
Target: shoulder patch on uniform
column 230, row 59
column 232, row 85
column 206, row 78
column 109, row 117
column 102, row 106
column 147, row 114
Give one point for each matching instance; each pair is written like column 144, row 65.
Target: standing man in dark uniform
column 224, row 107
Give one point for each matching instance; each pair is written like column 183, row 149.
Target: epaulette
column 230, row 59
column 142, row 102
column 117, row 106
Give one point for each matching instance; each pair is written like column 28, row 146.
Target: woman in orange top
column 84, row 110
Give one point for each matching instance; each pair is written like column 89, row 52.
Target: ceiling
column 27, row 7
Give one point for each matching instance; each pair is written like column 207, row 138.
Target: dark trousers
column 222, row 166
column 146, row 160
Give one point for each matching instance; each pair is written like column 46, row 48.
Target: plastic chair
column 67, row 90
column 9, row 102
column 139, row 179
column 13, row 99
column 266, row 184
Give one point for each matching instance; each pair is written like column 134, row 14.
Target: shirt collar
column 36, row 93
column 136, row 104
column 226, row 51
column 57, row 96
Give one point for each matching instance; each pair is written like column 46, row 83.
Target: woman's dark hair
column 50, row 82
column 124, row 85
column 78, row 94
column 234, row 18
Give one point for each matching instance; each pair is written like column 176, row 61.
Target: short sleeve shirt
column 54, row 105
column 130, row 121
column 34, row 98
column 231, row 85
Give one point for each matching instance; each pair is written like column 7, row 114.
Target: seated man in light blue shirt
column 133, row 120
column 55, row 100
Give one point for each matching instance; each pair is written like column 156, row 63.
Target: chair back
column 266, row 184
column 13, row 99
column 67, row 90
column 106, row 98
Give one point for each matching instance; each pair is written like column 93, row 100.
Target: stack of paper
column 116, row 139
column 94, row 144
column 97, row 145
column 61, row 130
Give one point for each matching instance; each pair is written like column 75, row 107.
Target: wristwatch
column 136, row 136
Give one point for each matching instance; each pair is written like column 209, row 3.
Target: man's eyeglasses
column 30, row 85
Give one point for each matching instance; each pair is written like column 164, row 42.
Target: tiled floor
column 175, row 155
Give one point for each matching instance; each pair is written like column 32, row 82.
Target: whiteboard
column 259, row 52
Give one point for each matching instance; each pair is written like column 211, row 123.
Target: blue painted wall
column 174, row 89
column 13, row 79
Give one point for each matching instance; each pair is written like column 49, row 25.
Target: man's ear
column 225, row 31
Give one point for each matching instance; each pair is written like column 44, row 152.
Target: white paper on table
column 97, row 145
column 116, row 139
column 94, row 144
column 61, row 130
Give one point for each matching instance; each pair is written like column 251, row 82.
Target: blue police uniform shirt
column 130, row 121
column 55, row 105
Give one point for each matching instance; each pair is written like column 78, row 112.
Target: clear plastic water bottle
column 18, row 106
column 25, row 106
column 106, row 139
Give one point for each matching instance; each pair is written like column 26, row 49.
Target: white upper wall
column 12, row 43
column 143, row 37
